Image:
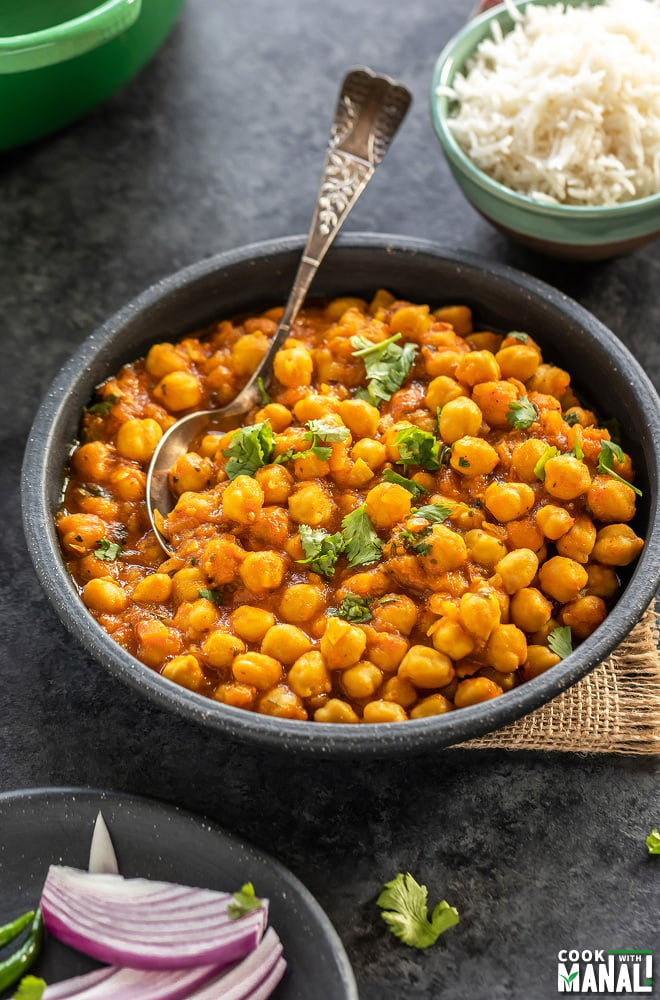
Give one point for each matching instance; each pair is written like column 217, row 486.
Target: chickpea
column 472, row 456
column 257, row 669
column 163, row 359
column 449, row 638
column 251, row 623
column 153, row 589
column 387, row 504
column 287, row 642
column 360, row 417
column 237, row 695
column 262, row 571
column 459, row 418
column 301, row 603
column 484, row 548
column 383, row 711
column 185, row 671
column 222, row 559
column 336, row 711
column 137, row 439
column 277, row 416
column 602, row 581
column 566, row 477
column 156, row 642
column 554, row 521
column 93, row 461
column 81, row 533
column 398, row 611
column 443, row 389
column 90, row 567
column 479, row 614
column 525, row 457
column 178, row 391
column 494, row 400
column 550, row 380
column 370, row 451
column 308, row 676
column 282, row 703
column 426, row 668
column 517, row 569
column 371, row 583
column 391, row 435
column 293, row 366
column 616, row 545
column 307, row 465
column 221, row 647
column 530, row 610
column 190, row 473
column 311, row 504
column 362, row 680
column 105, row 596
column 411, row 321
column 399, row 690
column 247, row 352
column 276, row 482
column 433, row 704
column 460, row 317
column 579, row 541
column 524, row 534
column 478, row 366
column 518, row 361
column 242, row 500
column 507, row 648
column 474, row 690
column 342, row 644
column 386, row 649
column 539, row 659
column 611, row 501
column 584, row 615
column 562, row 578
column 448, row 549
column 509, row 501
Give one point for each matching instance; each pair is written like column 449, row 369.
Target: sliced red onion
column 69, row 987
column 240, row 982
column 131, row 984
column 144, row 924
column 263, row 991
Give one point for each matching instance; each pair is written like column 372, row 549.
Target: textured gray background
column 219, row 142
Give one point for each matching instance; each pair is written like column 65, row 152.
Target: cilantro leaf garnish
column 539, row 468
column 436, row 513
column 404, row 905
column 560, row 641
column 321, row 549
column 653, row 842
column 103, row 407
column 266, row 397
column 353, row 608
column 211, row 595
column 390, row 476
column 571, row 419
column 519, row 335
column 244, row 902
column 463, row 463
column 361, row 543
column 107, row 551
column 522, row 413
column 609, row 451
column 323, row 430
column 387, row 365
column 250, row 448
column 416, row 541
column 30, row 988
column 418, row 447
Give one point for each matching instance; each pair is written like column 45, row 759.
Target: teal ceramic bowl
column 568, row 231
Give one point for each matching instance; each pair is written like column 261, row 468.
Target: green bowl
column 568, row 231
column 59, row 58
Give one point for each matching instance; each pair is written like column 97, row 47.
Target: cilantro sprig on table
column 404, row 906
column 387, row 365
column 653, row 842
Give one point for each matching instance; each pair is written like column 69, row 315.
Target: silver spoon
column 370, row 109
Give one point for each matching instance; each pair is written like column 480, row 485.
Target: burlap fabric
column 614, row 709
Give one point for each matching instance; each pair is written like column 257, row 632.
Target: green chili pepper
column 13, row 929
column 17, row 964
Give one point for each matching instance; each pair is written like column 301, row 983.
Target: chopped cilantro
column 361, row 543
column 418, row 447
column 323, row 430
column 103, row 407
column 577, row 451
column 353, row 608
column 436, row 513
column 211, row 595
column 653, row 842
column 266, row 397
column 321, row 549
column 30, row 988
column 609, row 451
column 416, row 541
column 522, row 413
column 560, row 642
column 286, row 456
column 107, row 551
column 390, row 476
column 244, row 902
column 387, row 365
column 404, row 905
column 518, row 335
column 249, row 449
column 539, row 468
column 571, row 419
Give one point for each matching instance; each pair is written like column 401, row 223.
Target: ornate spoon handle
column 370, row 109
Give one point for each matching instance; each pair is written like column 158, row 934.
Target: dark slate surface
column 219, row 143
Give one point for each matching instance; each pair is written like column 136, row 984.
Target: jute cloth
column 614, row 709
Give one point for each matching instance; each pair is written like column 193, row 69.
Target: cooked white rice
column 566, row 106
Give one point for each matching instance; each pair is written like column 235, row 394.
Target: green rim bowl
column 60, row 58
column 568, row 231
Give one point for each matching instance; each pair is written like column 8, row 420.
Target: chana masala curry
column 418, row 518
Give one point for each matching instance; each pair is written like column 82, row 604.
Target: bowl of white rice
column 549, row 116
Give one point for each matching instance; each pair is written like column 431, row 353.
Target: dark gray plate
column 54, row 825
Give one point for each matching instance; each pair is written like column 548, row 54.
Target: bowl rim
column 330, row 740
column 446, row 67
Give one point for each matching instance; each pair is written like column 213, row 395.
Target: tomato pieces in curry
column 418, row 518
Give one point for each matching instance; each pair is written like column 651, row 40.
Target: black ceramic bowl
column 256, row 277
